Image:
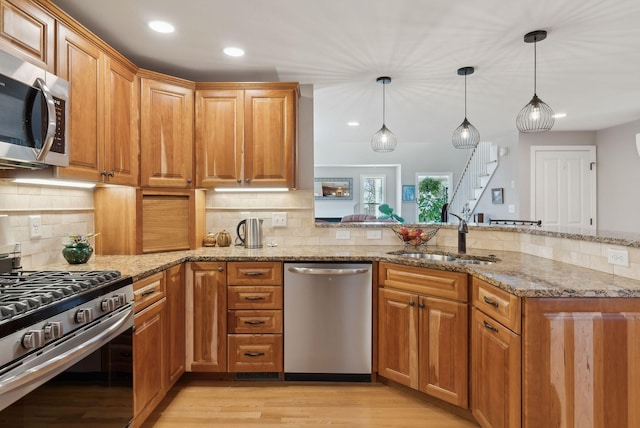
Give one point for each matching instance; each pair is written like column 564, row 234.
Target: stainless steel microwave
column 33, row 115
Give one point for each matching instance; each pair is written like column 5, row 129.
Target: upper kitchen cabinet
column 246, row 134
column 166, row 131
column 28, row 32
column 103, row 123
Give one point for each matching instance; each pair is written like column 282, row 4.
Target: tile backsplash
column 69, row 211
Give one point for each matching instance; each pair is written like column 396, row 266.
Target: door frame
column 593, row 177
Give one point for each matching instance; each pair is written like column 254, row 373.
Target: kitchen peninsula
column 531, row 318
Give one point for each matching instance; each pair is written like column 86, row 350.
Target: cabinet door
column 495, row 373
column 28, row 32
column 175, row 326
column 269, row 137
column 121, row 147
column 209, row 302
column 398, row 336
column 166, row 135
column 148, row 379
column 443, row 350
column 80, row 62
column 219, row 128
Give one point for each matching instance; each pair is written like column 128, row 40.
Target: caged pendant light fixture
column 466, row 136
column 536, row 116
column 383, row 141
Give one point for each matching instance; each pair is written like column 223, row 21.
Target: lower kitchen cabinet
column 495, row 357
column 422, row 339
column 207, row 312
column 148, row 364
column 175, row 325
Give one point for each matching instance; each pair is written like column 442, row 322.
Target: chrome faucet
column 463, row 229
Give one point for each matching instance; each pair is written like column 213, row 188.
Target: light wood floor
column 199, row 403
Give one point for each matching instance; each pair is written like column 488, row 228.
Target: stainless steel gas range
column 66, row 349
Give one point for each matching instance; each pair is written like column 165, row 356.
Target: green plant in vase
column 78, row 250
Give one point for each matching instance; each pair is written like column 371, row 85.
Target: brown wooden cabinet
column 103, row 106
column 422, row 339
column 495, row 357
column 166, row 131
column 149, row 385
column 207, row 312
column 28, row 32
column 246, row 134
column 254, row 324
column 175, row 326
column 137, row 221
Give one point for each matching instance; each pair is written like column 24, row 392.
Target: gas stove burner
column 31, row 291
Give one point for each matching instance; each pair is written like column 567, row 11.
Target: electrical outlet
column 618, row 257
column 511, row 208
column 279, row 219
column 35, row 226
column 244, row 214
column 374, row 234
column 343, row 234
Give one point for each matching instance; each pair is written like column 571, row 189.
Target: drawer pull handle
column 490, row 327
column 254, row 298
column 253, row 273
column 493, row 303
column 256, row 322
column 254, row 354
column 148, row 292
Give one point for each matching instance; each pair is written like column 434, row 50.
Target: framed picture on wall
column 333, row 188
column 408, row 193
column 497, row 195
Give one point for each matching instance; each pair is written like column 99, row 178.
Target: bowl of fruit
column 414, row 235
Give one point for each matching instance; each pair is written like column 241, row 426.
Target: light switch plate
column 279, row 219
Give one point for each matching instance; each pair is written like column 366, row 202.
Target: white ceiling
column 588, row 67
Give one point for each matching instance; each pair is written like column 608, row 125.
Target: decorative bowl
column 415, row 236
column 77, row 253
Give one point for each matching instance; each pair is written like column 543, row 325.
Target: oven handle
column 51, row 120
column 59, row 363
column 322, row 271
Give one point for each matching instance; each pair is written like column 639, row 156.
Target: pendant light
column 466, row 136
column 383, row 141
column 536, row 116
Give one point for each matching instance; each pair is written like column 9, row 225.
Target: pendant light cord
column 384, row 103
column 465, row 95
column 535, row 66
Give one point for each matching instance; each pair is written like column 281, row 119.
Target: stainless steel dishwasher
column 327, row 321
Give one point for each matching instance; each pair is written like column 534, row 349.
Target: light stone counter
column 520, row 274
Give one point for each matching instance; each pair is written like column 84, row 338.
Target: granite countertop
column 517, row 273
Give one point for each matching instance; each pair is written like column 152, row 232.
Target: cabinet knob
column 421, row 305
column 412, row 303
column 239, row 180
column 220, row 269
column 103, row 173
column 189, row 181
column 111, row 174
column 248, row 180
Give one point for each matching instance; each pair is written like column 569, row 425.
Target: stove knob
column 84, row 316
column 33, row 339
column 122, row 299
column 107, row 305
column 53, row 330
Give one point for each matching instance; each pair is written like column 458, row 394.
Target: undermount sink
column 429, row 256
column 471, row 260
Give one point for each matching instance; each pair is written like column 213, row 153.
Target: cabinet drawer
column 498, row 304
column 255, row 353
column 254, row 273
column 438, row 283
column 242, row 297
column 148, row 290
column 254, row 321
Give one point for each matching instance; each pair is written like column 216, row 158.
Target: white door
column 563, row 184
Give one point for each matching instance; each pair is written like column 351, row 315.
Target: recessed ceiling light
column 559, row 115
column 353, row 123
column 161, row 27
column 231, row 51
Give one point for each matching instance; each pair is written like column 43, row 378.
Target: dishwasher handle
column 324, row 271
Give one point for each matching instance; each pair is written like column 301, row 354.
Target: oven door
column 81, row 381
